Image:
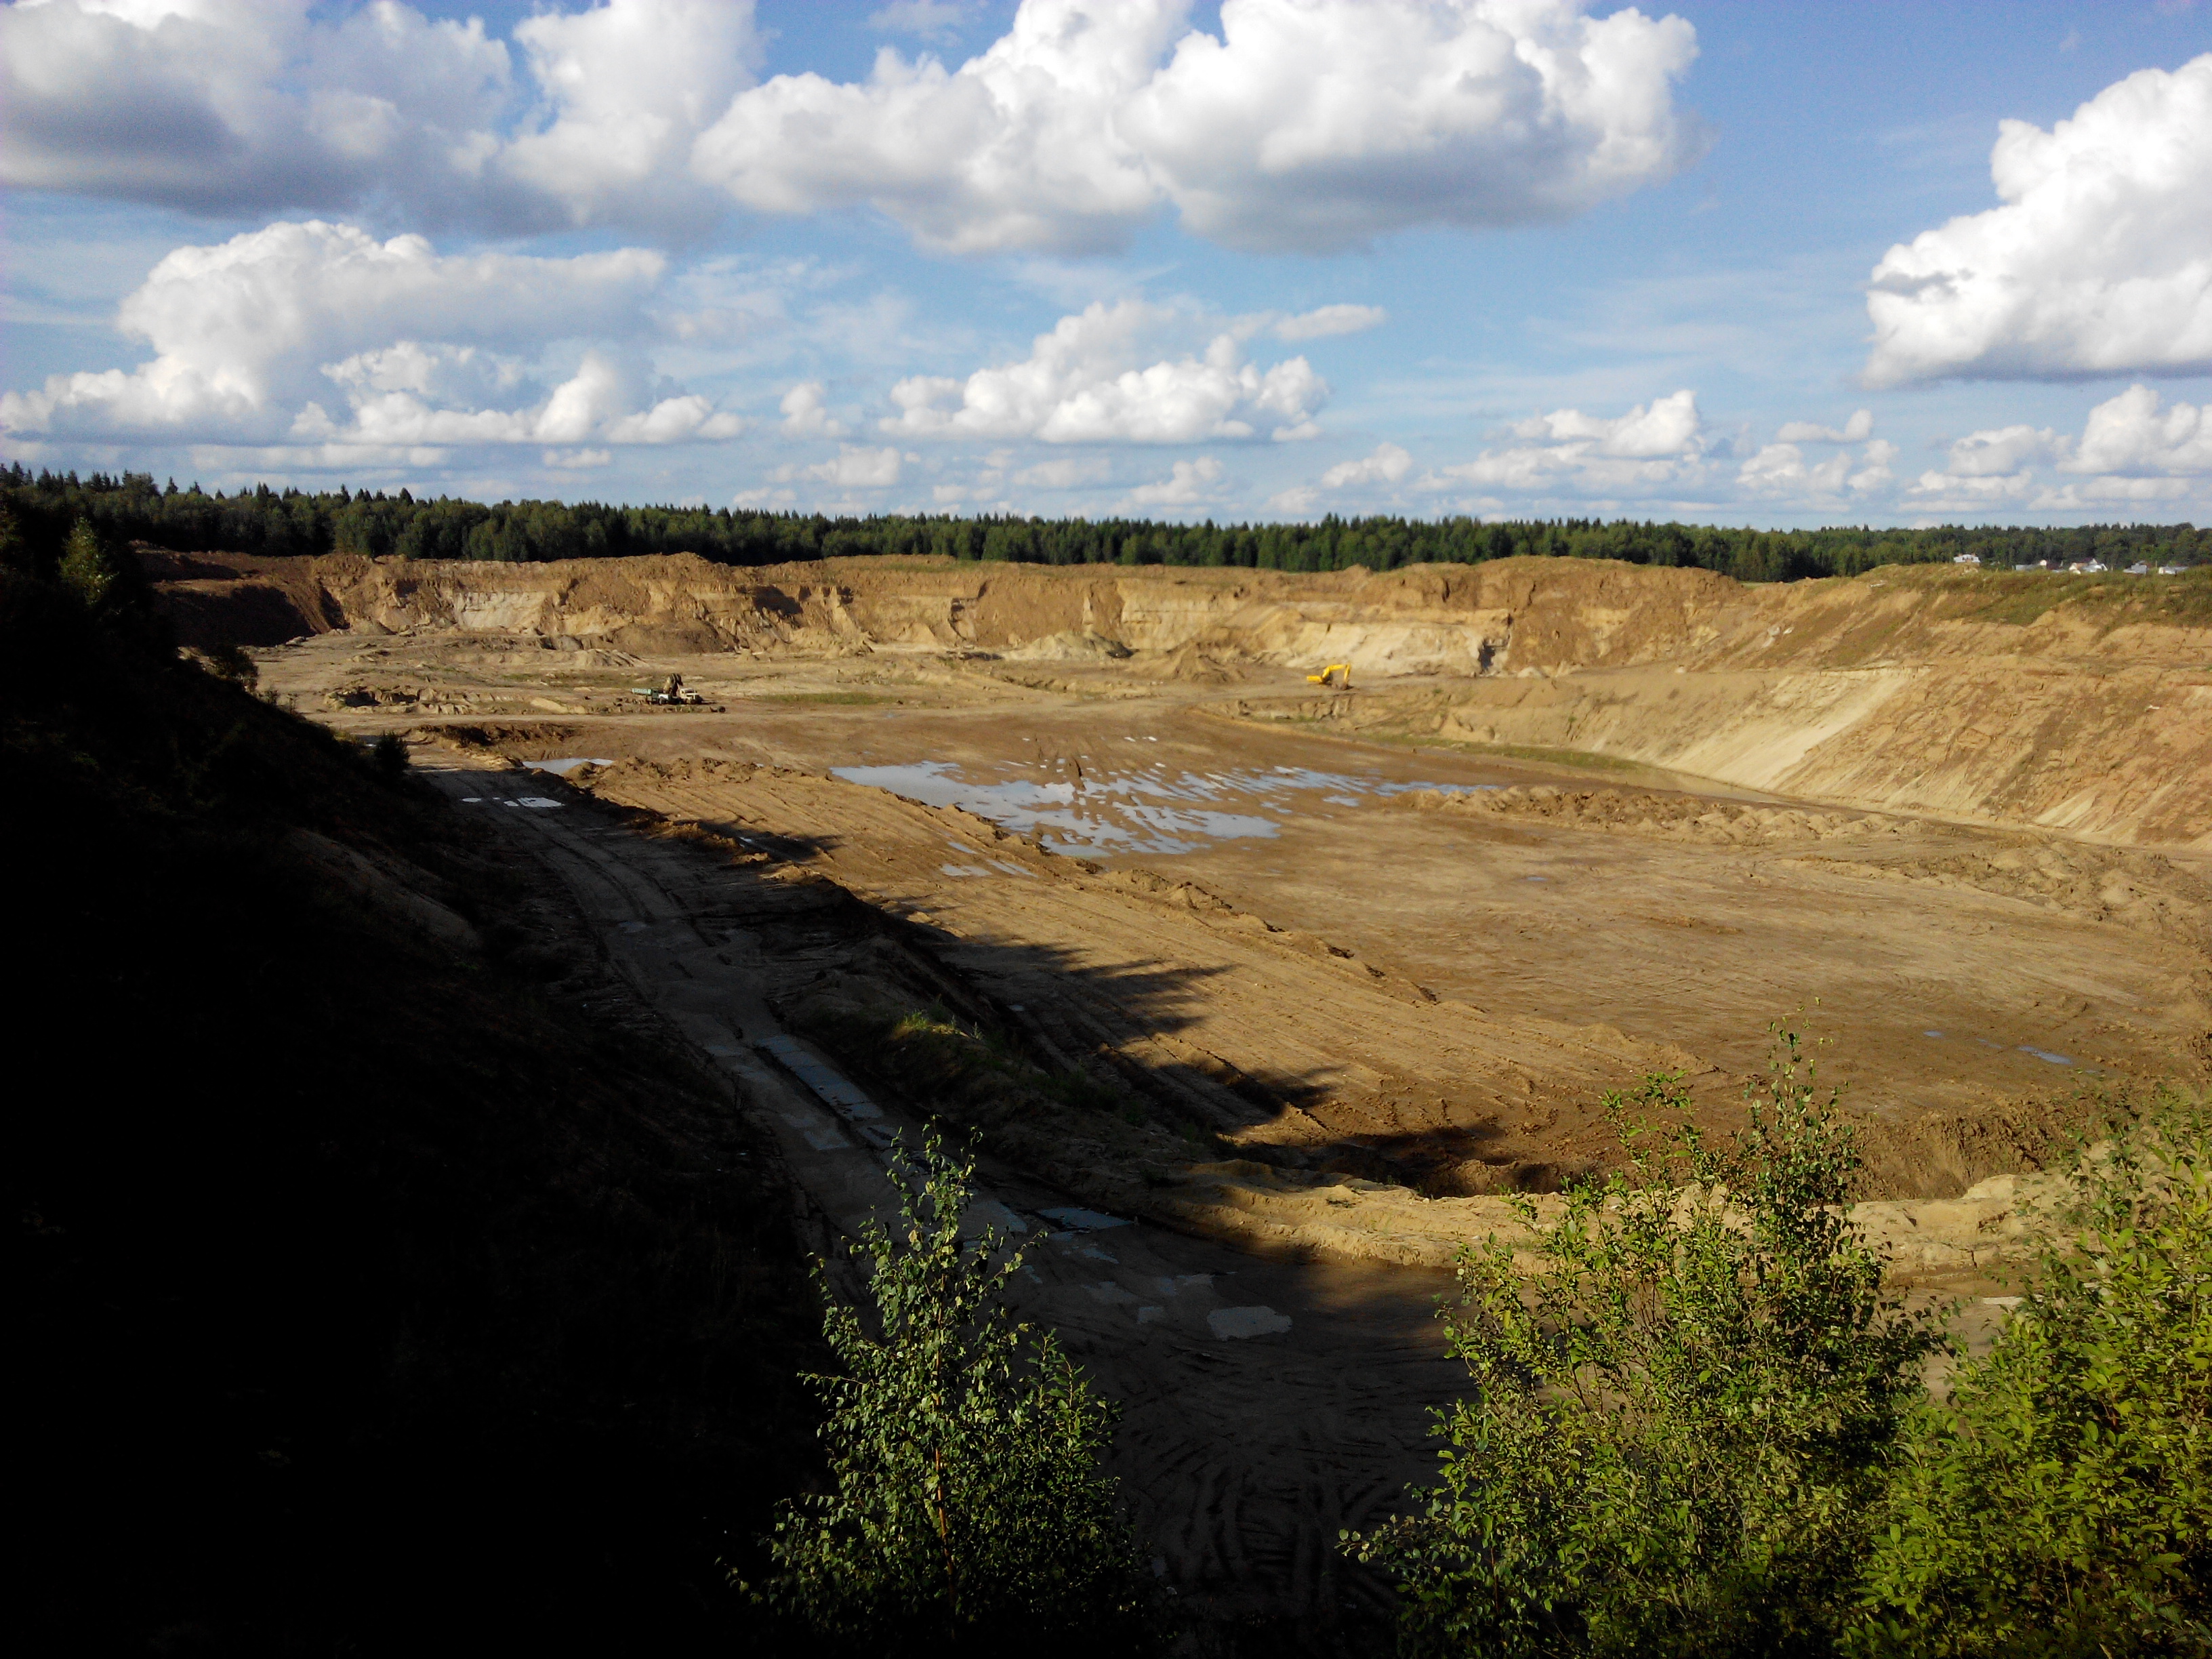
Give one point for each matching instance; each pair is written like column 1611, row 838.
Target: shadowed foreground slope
column 375, row 1301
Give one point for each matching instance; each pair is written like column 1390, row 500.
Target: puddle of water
column 1230, row 1324
column 832, row 1090
column 566, row 764
column 1149, row 808
column 1933, row 1034
column 2045, row 1054
column 538, row 802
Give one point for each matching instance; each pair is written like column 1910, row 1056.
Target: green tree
column 2061, row 1502
column 1682, row 1417
column 88, row 568
column 967, row 1506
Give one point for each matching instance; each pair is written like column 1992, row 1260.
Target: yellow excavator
column 1337, row 673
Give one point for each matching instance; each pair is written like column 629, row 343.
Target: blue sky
column 1343, row 255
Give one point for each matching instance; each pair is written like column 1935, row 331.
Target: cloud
column 1087, row 382
column 1307, row 125
column 1186, row 481
column 859, row 468
column 1064, row 472
column 1853, row 431
column 1330, row 319
column 1304, row 125
column 2138, row 448
column 1780, row 471
column 255, row 338
column 806, row 411
column 2137, row 435
column 1660, row 443
column 2003, row 450
column 576, row 461
column 2099, row 261
column 1387, row 465
column 1316, row 125
column 1989, row 470
column 628, row 86
column 239, row 107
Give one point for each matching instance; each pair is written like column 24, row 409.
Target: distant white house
column 1967, row 558
column 2088, row 566
column 2169, row 570
column 2139, row 569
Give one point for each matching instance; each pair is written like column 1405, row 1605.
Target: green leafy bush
column 88, row 569
column 964, row 1448
column 2061, row 1502
column 1683, row 1416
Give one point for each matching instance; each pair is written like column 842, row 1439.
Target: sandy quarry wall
column 2069, row 703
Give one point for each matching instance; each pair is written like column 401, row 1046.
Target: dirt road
column 1266, row 1405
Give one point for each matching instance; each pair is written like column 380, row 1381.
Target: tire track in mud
column 1240, row 1459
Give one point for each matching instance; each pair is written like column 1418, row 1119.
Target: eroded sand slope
column 2078, row 704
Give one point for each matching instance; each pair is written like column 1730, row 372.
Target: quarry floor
column 1945, row 967
column 1279, row 932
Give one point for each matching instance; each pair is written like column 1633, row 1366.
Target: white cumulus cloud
column 1855, row 430
column 1186, row 481
column 1087, row 382
column 1305, row 123
column 1781, row 471
column 1660, row 443
column 1387, row 465
column 2138, row 435
column 261, row 105
column 2099, row 261
column 807, row 412
column 1327, row 320
column 256, row 338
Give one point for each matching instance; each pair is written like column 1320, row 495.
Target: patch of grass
column 1584, row 759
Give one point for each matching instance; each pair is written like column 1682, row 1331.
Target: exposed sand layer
column 2080, row 704
column 1322, row 973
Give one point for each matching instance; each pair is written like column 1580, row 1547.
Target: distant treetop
column 132, row 507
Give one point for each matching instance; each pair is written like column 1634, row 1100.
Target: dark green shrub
column 967, row 1509
column 1682, row 1417
column 2061, row 1502
column 388, row 754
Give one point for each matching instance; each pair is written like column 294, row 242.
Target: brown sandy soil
column 2081, row 704
column 1305, row 979
column 1281, row 940
column 1268, row 1403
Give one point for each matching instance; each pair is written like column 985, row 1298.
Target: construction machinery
column 669, row 694
column 1336, row 674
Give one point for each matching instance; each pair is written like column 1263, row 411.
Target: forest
column 133, row 507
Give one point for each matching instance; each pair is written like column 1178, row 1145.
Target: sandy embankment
column 1896, row 712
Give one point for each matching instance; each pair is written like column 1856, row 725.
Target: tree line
column 131, row 506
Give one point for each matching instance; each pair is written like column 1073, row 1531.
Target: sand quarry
column 1296, row 981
